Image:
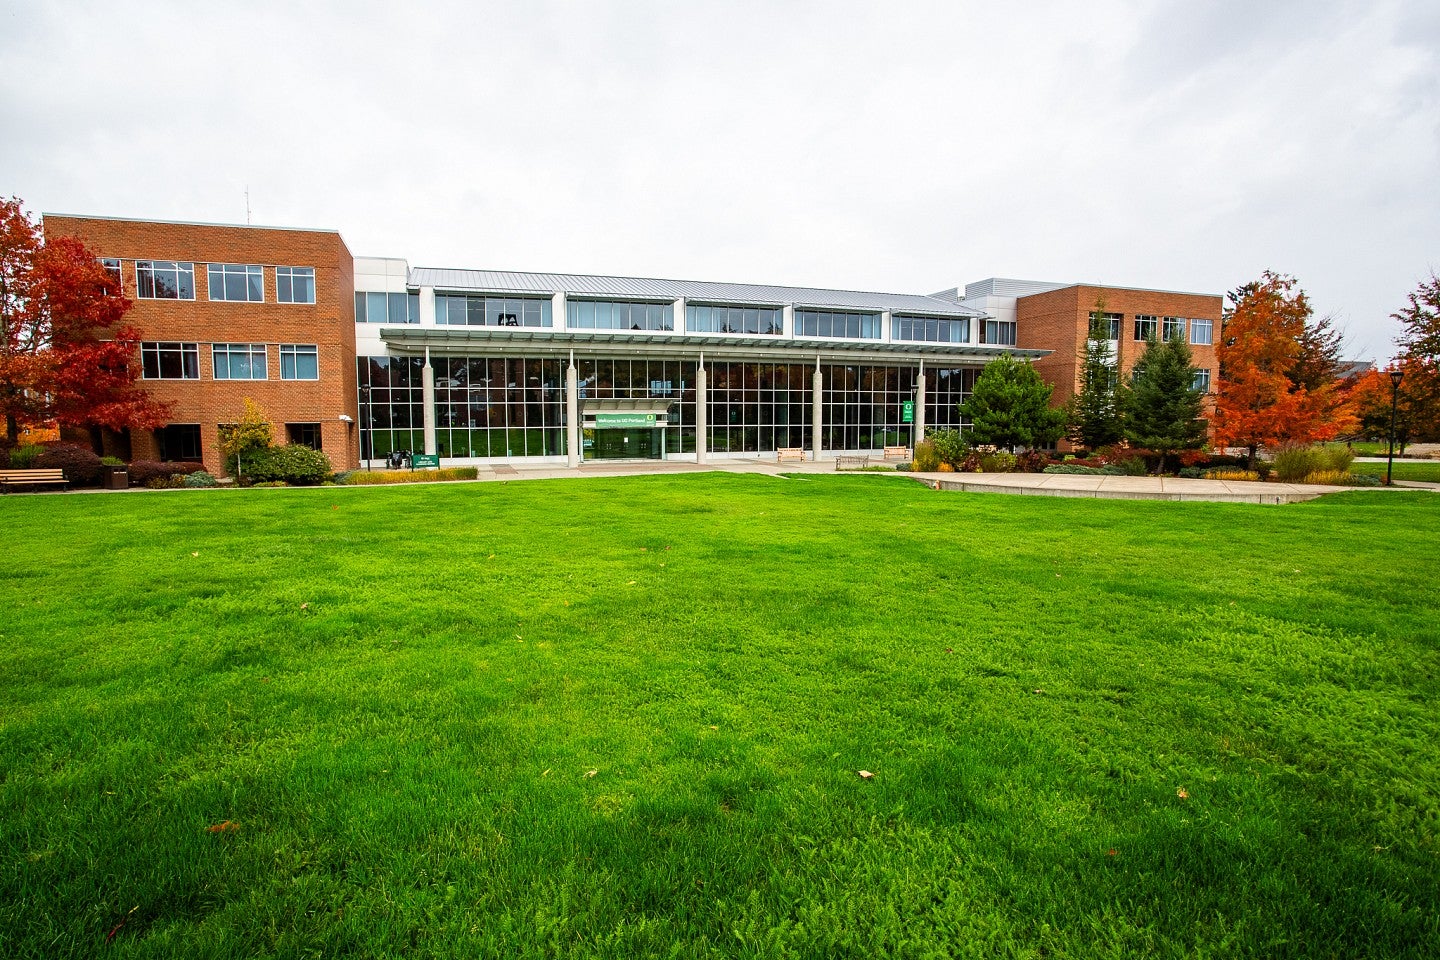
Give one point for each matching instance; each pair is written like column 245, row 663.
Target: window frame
column 294, row 351
column 252, row 349
column 1209, row 326
column 1151, row 321
column 1201, row 374
column 181, row 268
column 244, row 272
column 159, row 348
column 289, row 275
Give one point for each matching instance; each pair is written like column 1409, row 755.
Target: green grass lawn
column 1404, row 470
column 624, row 718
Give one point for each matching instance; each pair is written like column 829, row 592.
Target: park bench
column 855, row 462
column 788, row 454
column 22, row 478
column 901, row 454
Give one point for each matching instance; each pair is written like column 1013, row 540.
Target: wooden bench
column 856, row 462
column 901, row 454
column 24, row 478
column 787, row 454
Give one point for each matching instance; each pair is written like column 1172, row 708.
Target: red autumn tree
column 1268, row 393
column 1420, row 360
column 65, row 355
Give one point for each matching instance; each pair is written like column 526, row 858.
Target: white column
column 680, row 325
column 572, row 413
column 920, row 405
column 427, row 399
column 557, row 310
column 885, row 326
column 788, row 319
column 702, row 412
column 427, row 306
column 817, row 411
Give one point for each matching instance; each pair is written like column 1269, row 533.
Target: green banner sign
column 425, row 460
column 609, row 421
column 907, row 412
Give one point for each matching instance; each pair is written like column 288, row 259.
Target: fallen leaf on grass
column 304, row 606
column 194, row 553
column 547, row 771
column 591, row 773
column 1182, row 793
column 630, row 583
column 229, row 826
column 1110, row 852
column 116, row 929
column 865, row 774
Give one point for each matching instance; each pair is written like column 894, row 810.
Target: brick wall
column 329, row 324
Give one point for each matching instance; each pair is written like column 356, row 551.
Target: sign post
column 907, row 412
column 424, row 460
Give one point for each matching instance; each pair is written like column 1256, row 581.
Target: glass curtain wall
column 757, row 407
column 674, row 380
column 864, row 406
column 393, row 417
column 499, row 406
column 945, row 390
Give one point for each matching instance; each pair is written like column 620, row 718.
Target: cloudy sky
column 896, row 146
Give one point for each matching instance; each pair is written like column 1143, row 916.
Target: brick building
column 362, row 357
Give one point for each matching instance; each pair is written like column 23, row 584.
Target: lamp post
column 1395, row 376
column 366, row 424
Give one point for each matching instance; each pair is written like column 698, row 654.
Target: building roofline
column 190, row 223
column 1111, row 286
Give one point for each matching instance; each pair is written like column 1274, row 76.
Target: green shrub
column 950, row 447
column 292, row 463
column 23, row 458
column 1192, row 473
column 1366, row 480
column 166, row 481
column 270, row 483
column 366, row 478
column 995, row 461
column 111, row 462
column 201, row 478
column 1294, row 463
column 927, row 457
column 1078, row 469
column 1337, row 458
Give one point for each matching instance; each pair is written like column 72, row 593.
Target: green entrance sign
column 610, row 421
column 907, row 412
column 425, row 460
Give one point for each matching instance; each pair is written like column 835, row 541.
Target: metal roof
column 699, row 291
column 511, row 340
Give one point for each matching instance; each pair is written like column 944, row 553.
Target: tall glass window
column 295, row 284
column 239, row 282
column 831, row 323
column 391, row 308
column 619, row 315
column 1202, row 332
column 456, row 310
column 930, row 329
column 392, row 409
column 299, row 361
column 164, row 280
column 238, row 361
column 112, row 267
column 1201, row 381
column 998, row 333
column 705, row 318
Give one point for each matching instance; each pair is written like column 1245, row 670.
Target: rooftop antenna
column 247, row 204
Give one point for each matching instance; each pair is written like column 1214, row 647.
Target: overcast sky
column 903, row 147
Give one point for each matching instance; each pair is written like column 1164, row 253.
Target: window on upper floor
column 299, row 361
column 705, row 318
column 371, row 307
column 998, row 333
column 838, row 324
column 237, row 282
column 239, row 361
column 1146, row 327
column 162, row 360
column 164, row 280
column 1172, row 328
column 459, row 310
column 295, row 284
column 1105, row 326
column 111, row 266
column 930, row 329
column 1201, row 381
column 1202, row 332
column 619, row 315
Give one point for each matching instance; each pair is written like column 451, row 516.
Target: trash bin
column 115, row 478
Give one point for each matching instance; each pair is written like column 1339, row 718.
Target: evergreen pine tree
column 1010, row 407
column 1162, row 407
column 1094, row 412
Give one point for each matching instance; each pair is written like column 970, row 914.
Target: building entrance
column 624, row 444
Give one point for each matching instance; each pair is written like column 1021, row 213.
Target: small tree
column 1162, row 405
column 251, row 433
column 1094, row 412
column 1010, row 407
column 1420, row 359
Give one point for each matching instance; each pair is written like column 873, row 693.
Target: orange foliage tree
column 1267, row 396
column 65, row 355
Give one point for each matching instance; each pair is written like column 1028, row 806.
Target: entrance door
column 626, row 445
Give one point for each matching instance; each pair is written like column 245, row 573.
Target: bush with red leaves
column 81, row 464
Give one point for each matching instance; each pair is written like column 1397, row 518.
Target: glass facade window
column 390, row 308
column 1146, row 327
column 1172, row 328
column 161, row 360
column 1201, row 381
column 238, row 361
column 455, row 310
column 1105, row 326
column 299, row 361
column 1202, row 332
column 841, row 325
column 179, row 441
column 295, row 284
column 998, row 333
column 238, row 282
column 930, row 329
column 164, row 280
column 707, row 318
column 619, row 315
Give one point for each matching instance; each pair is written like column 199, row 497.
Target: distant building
column 364, row 356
